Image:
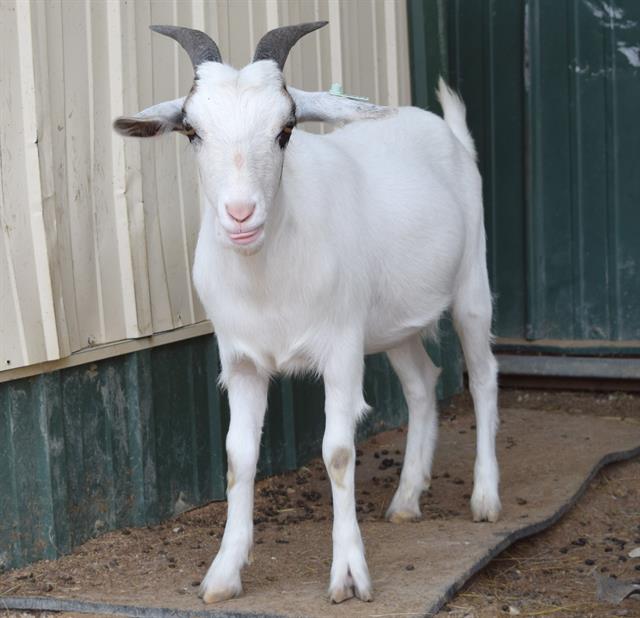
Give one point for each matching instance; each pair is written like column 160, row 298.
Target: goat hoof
column 341, row 594
column 349, row 586
column 347, row 592
column 216, row 596
column 485, row 506
column 212, row 591
column 364, row 594
column 403, row 516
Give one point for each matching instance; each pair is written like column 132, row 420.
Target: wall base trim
column 109, row 350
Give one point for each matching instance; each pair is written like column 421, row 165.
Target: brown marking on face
column 238, row 160
column 338, row 465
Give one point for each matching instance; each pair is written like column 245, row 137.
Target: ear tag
column 338, row 91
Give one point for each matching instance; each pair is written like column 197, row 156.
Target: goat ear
column 325, row 107
column 155, row 120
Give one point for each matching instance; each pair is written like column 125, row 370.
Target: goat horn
column 276, row 44
column 200, row 47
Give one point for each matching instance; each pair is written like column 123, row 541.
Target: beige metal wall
column 97, row 232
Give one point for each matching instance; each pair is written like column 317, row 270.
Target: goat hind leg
column 418, row 376
column 472, row 319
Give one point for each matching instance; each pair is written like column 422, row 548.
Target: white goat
column 318, row 249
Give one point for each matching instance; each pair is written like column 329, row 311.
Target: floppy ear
column 155, row 120
column 326, row 107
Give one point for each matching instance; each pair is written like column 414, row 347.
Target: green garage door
column 552, row 90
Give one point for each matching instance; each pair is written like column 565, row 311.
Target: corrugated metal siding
column 428, row 53
column 491, row 83
column 559, row 143
column 111, row 444
column 27, row 328
column 98, row 232
column 585, row 191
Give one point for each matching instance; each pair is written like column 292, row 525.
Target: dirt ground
column 550, row 574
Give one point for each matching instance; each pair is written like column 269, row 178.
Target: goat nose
column 240, row 211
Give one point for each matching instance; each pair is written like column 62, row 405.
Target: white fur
column 366, row 236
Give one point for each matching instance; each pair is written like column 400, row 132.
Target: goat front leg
column 248, row 402
column 343, row 405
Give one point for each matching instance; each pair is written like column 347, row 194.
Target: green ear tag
column 338, row 91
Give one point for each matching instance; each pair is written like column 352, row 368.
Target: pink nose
column 240, row 211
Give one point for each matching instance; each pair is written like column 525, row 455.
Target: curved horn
column 276, row 44
column 200, row 47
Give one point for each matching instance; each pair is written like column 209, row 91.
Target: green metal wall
column 127, row 441
column 485, row 44
column 582, row 99
column 552, row 89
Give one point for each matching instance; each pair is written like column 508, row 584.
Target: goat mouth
column 245, row 238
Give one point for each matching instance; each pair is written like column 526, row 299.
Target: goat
column 315, row 250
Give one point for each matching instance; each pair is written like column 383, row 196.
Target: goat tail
column 455, row 116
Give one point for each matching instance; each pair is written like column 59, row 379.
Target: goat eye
column 285, row 134
column 189, row 131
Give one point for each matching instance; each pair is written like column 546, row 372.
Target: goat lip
column 244, row 238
